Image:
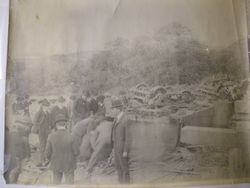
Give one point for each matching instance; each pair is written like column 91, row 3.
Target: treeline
column 171, row 56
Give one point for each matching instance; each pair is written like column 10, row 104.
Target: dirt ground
column 186, row 163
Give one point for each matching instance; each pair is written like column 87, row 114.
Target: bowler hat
column 60, row 117
column 44, row 102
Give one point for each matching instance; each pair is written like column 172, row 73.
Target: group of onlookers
column 79, row 129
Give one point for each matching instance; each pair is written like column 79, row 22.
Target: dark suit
column 80, row 110
column 62, row 153
column 93, row 106
column 56, row 111
column 120, row 141
column 42, row 126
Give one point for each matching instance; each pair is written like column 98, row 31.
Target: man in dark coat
column 61, row 152
column 59, row 108
column 120, row 142
column 93, row 105
column 42, row 127
column 80, row 109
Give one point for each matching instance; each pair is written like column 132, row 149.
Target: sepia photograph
column 134, row 92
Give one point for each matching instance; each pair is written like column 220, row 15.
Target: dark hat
column 116, row 103
column 60, row 117
column 44, row 102
column 61, row 99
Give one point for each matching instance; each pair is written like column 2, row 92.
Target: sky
column 48, row 27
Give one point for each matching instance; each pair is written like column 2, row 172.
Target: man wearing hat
column 61, row 152
column 59, row 108
column 120, row 141
column 80, row 108
column 42, row 127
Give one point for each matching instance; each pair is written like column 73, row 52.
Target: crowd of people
column 70, row 131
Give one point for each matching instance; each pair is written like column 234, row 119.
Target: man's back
column 104, row 130
column 80, row 129
column 61, row 151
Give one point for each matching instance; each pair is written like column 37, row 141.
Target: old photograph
column 127, row 92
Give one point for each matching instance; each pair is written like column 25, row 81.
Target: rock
column 209, row 136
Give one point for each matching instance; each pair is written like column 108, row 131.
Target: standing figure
column 42, row 127
column 61, row 152
column 120, row 141
column 80, row 108
column 101, row 106
column 93, row 105
column 59, row 108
